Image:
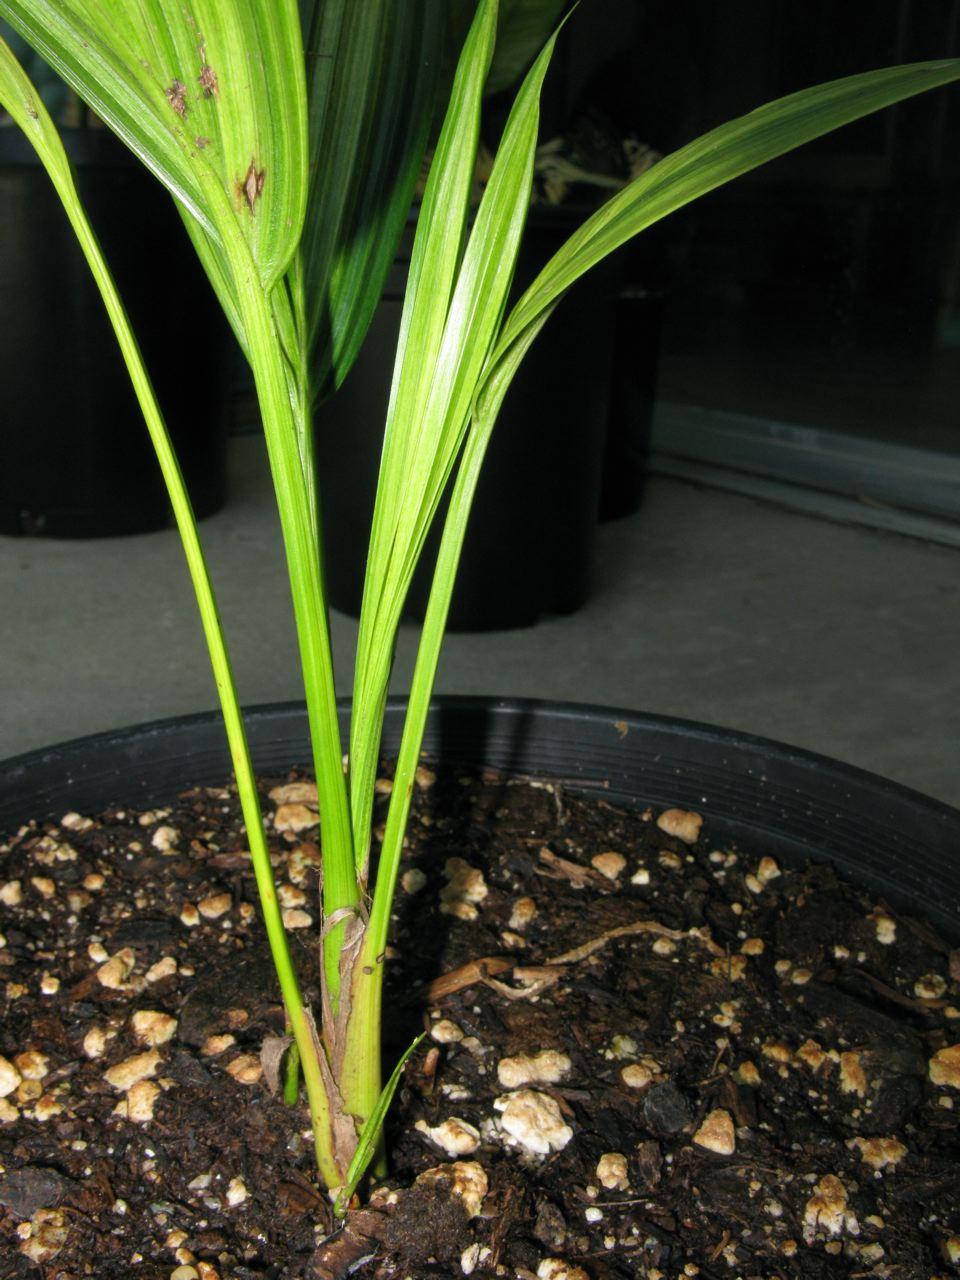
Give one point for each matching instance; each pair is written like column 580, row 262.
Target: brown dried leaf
column 271, row 1058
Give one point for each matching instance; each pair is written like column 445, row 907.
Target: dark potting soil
column 648, row 1056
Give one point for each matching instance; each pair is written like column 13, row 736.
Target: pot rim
column 756, row 795
column 577, row 712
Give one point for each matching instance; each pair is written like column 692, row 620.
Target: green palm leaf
column 431, row 281
column 523, row 27
column 212, row 97
column 711, row 161
column 523, row 30
column 18, row 96
column 452, row 314
column 223, row 130
column 372, row 71
column 719, row 156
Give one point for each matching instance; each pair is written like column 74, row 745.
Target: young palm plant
column 290, row 135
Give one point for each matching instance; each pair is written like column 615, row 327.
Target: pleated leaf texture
column 211, row 97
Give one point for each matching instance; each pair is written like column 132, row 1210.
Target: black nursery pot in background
column 75, row 458
column 529, row 545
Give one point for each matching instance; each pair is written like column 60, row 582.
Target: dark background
column 823, row 289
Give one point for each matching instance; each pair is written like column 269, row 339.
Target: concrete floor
column 708, row 606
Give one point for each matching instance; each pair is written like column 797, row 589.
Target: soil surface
column 647, row 1056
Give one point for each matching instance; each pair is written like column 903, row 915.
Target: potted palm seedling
column 274, row 129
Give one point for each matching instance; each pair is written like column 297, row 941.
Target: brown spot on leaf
column 202, row 142
column 177, row 97
column 251, row 187
column 208, row 81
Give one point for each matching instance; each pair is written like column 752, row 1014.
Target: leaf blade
column 427, row 433
column 430, row 285
column 716, row 158
column 18, row 96
column 370, row 1133
column 524, row 27
column 224, row 132
column 372, row 79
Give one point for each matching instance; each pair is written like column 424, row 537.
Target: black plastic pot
column 766, row 797
column 529, row 546
column 75, row 460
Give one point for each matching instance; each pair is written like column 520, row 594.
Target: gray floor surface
column 708, row 605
